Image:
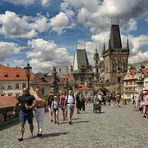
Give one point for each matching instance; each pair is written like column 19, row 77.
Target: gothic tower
column 115, row 57
column 82, row 72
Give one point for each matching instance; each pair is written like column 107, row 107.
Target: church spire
column 115, row 38
column 127, row 46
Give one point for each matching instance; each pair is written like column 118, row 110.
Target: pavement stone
column 113, row 128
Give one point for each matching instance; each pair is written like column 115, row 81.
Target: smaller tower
column 96, row 65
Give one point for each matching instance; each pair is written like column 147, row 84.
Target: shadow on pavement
column 98, row 112
column 46, row 135
column 54, row 134
column 81, row 122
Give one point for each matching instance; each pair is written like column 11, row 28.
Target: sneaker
column 40, row 135
column 70, row 122
column 144, row 116
column 51, row 120
column 20, row 139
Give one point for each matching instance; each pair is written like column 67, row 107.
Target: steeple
column 115, row 38
column 127, row 46
column 96, row 55
column 103, row 47
column 80, row 59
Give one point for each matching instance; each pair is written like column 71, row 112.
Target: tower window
column 119, row 79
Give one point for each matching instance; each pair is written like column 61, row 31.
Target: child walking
column 55, row 106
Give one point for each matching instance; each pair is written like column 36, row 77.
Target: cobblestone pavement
column 113, row 128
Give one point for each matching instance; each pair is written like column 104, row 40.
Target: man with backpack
column 70, row 101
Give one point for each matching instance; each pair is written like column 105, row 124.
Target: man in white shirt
column 70, row 100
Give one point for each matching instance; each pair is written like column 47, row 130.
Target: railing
column 6, row 116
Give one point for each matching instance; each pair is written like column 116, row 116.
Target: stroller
column 97, row 106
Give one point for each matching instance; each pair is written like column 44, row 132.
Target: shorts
column 70, row 107
column 49, row 106
column 26, row 116
column 55, row 109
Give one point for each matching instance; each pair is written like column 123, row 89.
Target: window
column 82, row 79
column 17, row 86
column 119, row 79
column 90, row 79
column 17, row 75
column 1, row 86
column 17, row 95
column 23, row 85
column 42, row 91
column 10, row 94
column 106, row 69
column 5, row 75
column 9, row 86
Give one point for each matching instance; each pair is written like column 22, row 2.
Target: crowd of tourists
column 35, row 106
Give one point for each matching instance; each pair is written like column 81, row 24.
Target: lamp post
column 28, row 74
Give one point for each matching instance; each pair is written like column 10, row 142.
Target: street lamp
column 28, row 73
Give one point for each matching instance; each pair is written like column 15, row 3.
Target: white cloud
column 138, row 43
column 45, row 2
column 22, row 2
column 139, row 57
column 59, row 22
column 97, row 17
column 132, row 25
column 7, row 50
column 46, row 54
column 14, row 26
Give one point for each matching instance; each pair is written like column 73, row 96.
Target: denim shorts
column 26, row 116
column 55, row 109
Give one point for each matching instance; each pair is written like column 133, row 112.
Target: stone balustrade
column 6, row 115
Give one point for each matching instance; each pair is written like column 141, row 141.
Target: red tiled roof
column 84, row 87
column 69, row 77
column 133, row 71
column 7, row 100
column 145, row 72
column 13, row 73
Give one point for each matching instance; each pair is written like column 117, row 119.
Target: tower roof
column 115, row 39
column 80, row 59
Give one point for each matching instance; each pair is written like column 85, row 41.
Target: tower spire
column 127, row 46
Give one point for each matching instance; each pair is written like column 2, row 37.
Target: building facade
column 12, row 80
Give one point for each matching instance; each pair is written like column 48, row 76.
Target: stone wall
column 6, row 116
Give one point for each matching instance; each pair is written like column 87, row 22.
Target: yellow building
column 129, row 83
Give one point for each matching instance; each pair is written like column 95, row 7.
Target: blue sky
column 46, row 32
